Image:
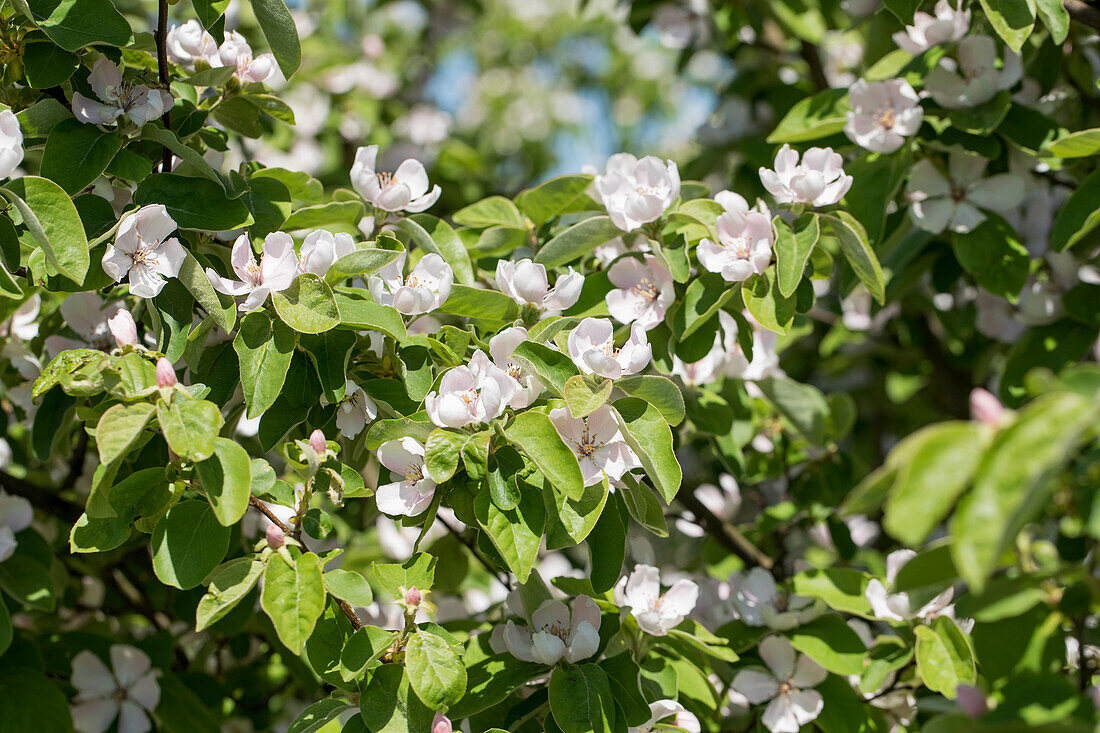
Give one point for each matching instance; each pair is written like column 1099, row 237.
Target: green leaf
column 815, row 117
column 539, row 439
column 47, row 65
column 228, row 585
column 308, row 305
column 857, row 250
column 442, row 452
column 317, row 716
column 1012, row 19
column 492, row 679
column 803, row 405
column 704, row 296
column 1011, row 482
column 877, row 178
column 517, row 532
column 994, row 255
column 281, row 33
column 479, row 303
column 29, row 582
column 831, row 643
column 76, row 154
column 642, row 504
column 226, row 477
column 661, row 392
column 396, row 578
column 576, row 241
column 156, row 132
column 557, row 196
column 53, row 221
column 842, row 589
column 190, row 426
column 359, row 312
column 585, row 394
column 1078, row 216
column 330, row 353
column 1079, row 144
column 607, row 545
column 6, row 631
column 903, row 9
column 38, row 119
column 648, row 435
column 493, row 211
column 363, row 650
column 119, row 429
column 581, row 699
column 552, row 367
column 792, row 251
column 569, row 521
column 624, row 676
column 194, row 203
column 294, row 597
column 766, row 304
column 264, row 349
column 945, row 659
column 360, row 262
column 30, row 702
column 187, row 544
column 435, row 670
column 939, row 461
column 387, row 703
column 435, row 235
column 74, row 24
column 194, row 279
column 350, row 586
column 323, row 215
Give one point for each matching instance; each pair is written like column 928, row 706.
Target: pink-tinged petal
column 116, row 263
column 154, row 223
column 129, row 663
column 145, row 282
column 279, row 264
column 363, row 174
column 599, row 363
column 425, row 202
column 146, row 692
column 643, row 588
column 779, row 655
column 623, row 305
column 779, row 717
column 91, row 112
column 774, row 186
column 91, row 677
column 393, row 197
column 551, row 614
column 583, row 642
column 241, row 257
column 1001, row 192
column 411, row 173
column 965, row 218
column 105, row 79
column 933, row 215
column 808, row 673
column 585, row 610
column 680, row 599
column 565, row 293
column 627, row 272
column 547, row 648
column 401, row 454
column 520, row 641
column 756, row 684
column 402, row 498
column 876, row 596
column 732, row 202
column 170, row 257
column 806, row 705
column 225, row 285
column 256, row 298
column 132, row 719
column 94, row 716
column 786, row 163
column 123, row 329
column 926, row 182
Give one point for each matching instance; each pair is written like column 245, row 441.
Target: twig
column 812, row 58
column 162, row 73
column 1083, row 12
column 726, row 535
column 472, row 547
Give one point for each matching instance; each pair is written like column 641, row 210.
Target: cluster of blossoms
column 193, row 47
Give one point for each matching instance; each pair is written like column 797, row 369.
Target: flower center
column 646, row 289
column 587, row 446
column 515, row 371
column 253, row 273
column 608, row 347
column 471, row 396
column 385, row 179
column 885, row 116
column 414, row 473
column 958, row 193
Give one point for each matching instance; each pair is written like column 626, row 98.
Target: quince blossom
column 427, row 287
column 745, row 239
column 123, row 328
column 643, row 291
column 320, row 249
column 128, row 690
column 137, row 103
column 725, row 358
column 88, row 315
column 526, row 282
column 468, row 394
column 939, row 203
column 556, row 632
column 235, row 51
column 189, row 43
column 897, row 606
column 527, row 386
column 883, row 114
column 143, row 251
column 817, row 178
column 592, row 348
column 11, row 143
column 636, row 192
column 414, row 492
column 406, row 189
column 668, row 713
column 786, row 683
column 355, row 410
column 975, row 78
column 950, row 23
column 654, row 611
column 597, row 442
column 759, row 603
column 16, row 514
column 276, row 270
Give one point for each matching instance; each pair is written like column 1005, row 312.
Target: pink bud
column 123, row 328
column 971, row 701
column 166, row 375
column 985, row 408
column 413, row 596
column 442, row 724
column 275, row 537
column 317, row 441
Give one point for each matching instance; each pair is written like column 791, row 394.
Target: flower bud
column 442, row 724
column 317, row 442
column 123, row 328
column 166, row 375
column 985, row 408
column 413, row 597
column 971, row 701
column 275, row 537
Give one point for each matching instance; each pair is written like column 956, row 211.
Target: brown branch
column 812, row 57
column 1083, row 12
column 724, row 534
column 162, row 73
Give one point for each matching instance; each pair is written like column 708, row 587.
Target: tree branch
column 1083, row 12
column 41, row 497
column 162, row 73
column 725, row 535
column 472, row 547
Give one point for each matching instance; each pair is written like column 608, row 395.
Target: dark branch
column 472, row 547
column 724, row 534
column 162, row 72
column 1083, row 12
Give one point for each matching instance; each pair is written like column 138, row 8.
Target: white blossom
column 950, row 23
column 274, row 273
column 527, row 386
column 414, row 492
column 526, row 282
column 16, row 514
column 745, row 239
column 123, row 328
column 556, row 632
column 190, row 42
column 127, row 690
column 786, row 685
column 883, row 114
column 654, row 611
column 137, row 103
column 723, row 501
column 592, row 348
column 472, row 394
column 88, row 315
column 892, row 606
column 23, row 323
column 597, row 442
column 355, row 410
column 427, row 287
column 235, row 51
column 759, row 602
column 725, row 358
column 940, row 203
column 11, row 143
column 636, row 192
column 320, row 249
column 816, row 178
column 406, row 189
column 143, row 251
column 643, row 291
column 668, row 712
column 974, row 79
